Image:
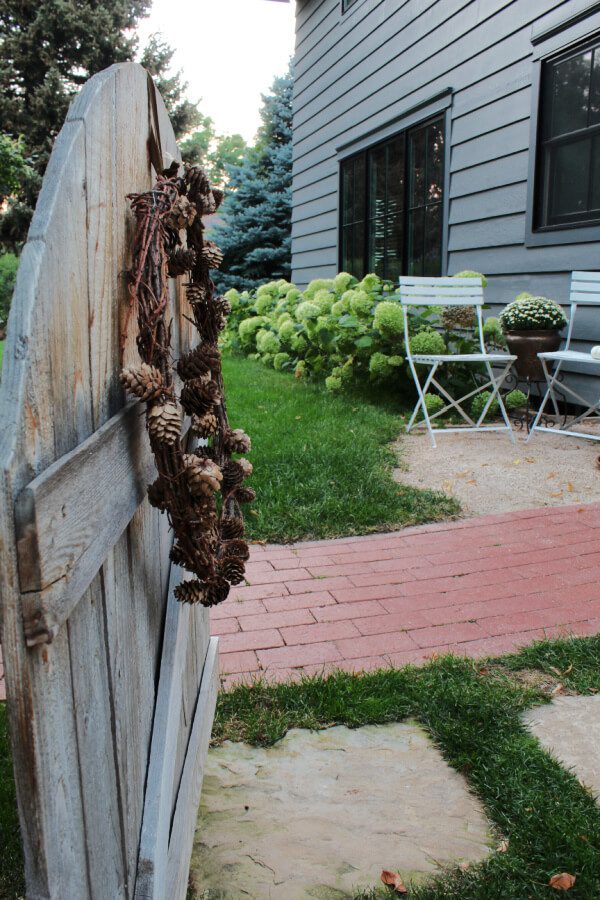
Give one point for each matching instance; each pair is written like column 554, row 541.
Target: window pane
column 347, row 191
column 359, row 188
column 416, row 167
column 569, row 179
column 571, row 93
column 395, row 177
column 357, row 267
column 347, row 261
column 376, row 261
column 393, row 247
column 432, row 263
column 595, row 174
column 415, row 241
column 377, row 161
column 435, row 162
column 595, row 90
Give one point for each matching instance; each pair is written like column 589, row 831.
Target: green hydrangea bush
column 344, row 331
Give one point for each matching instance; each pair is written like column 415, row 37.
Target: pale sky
column 229, row 51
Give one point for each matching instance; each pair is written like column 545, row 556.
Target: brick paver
column 476, row 587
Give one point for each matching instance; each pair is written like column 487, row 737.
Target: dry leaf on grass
column 562, row 882
column 502, row 846
column 558, row 672
column 559, row 689
column 393, row 880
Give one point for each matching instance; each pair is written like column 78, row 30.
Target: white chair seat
column 465, row 357
column 569, row 356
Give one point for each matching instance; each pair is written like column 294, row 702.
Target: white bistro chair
column 585, row 291
column 415, row 291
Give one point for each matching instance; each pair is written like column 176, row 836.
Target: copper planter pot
column 526, row 345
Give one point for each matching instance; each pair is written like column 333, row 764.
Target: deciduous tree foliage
column 256, row 234
column 47, row 51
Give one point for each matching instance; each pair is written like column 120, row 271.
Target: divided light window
column 568, row 186
column 391, row 205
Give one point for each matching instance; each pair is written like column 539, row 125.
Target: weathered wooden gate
column 111, row 684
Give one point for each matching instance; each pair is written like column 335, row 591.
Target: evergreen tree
column 255, row 236
column 48, row 50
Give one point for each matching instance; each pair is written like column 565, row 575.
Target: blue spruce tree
column 255, row 236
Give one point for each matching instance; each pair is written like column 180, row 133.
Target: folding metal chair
column 585, row 291
column 425, row 292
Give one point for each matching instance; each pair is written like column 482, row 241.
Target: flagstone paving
column 569, row 728
column 480, row 586
column 321, row 814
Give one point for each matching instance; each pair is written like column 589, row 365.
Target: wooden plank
column 188, row 800
column 70, row 517
column 154, row 840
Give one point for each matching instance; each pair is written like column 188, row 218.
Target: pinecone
column 157, row 495
column 222, row 306
column 190, row 592
column 203, row 475
column 212, row 255
column 178, row 555
column 181, row 261
column 206, row 425
column 183, row 213
column 218, row 196
column 197, row 182
column 144, row 381
column 236, row 548
column 215, row 590
column 245, row 495
column 164, row 423
column 236, row 441
column 198, row 362
column 195, row 293
column 232, row 568
column 199, row 397
column 458, row 317
column 234, row 472
column 231, row 528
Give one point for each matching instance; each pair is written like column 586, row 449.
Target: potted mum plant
column 532, row 325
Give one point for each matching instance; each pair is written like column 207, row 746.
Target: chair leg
column 421, row 401
column 497, row 384
column 550, row 381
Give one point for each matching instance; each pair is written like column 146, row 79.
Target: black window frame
column 408, row 209
column 548, row 144
column 348, row 4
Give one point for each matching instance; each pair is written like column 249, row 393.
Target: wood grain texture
column 188, row 798
column 81, row 708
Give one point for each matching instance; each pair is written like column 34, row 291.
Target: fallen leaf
column 393, row 880
column 568, row 669
column 530, row 459
column 593, row 690
column 551, row 475
column 472, row 481
column 464, row 866
column 448, row 486
column 502, row 847
column 555, row 670
column 562, row 882
column 559, row 689
column 516, row 462
column 483, row 670
column 570, row 487
column 297, row 417
column 556, row 494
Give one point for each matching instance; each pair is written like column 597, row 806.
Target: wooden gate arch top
column 111, row 684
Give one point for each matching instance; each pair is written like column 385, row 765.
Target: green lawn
column 322, row 463
column 472, row 712
column 11, row 861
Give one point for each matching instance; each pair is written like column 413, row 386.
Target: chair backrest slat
column 419, row 291
column 585, row 291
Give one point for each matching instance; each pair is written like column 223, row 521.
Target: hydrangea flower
column 307, row 310
column 342, row 282
column 433, row 403
column 388, row 319
column 279, row 360
column 468, row 273
column 248, row 329
column 360, row 303
column 427, row 343
column 286, row 331
column 333, row 383
column 267, row 342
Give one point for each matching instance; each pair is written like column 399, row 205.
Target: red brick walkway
column 476, row 587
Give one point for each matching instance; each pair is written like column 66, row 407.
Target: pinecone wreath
column 200, row 490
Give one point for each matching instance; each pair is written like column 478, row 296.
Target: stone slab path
column 320, row 814
column 569, row 728
column 480, row 586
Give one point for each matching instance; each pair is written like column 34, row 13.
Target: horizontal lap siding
column 355, row 72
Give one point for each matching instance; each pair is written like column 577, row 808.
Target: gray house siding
column 358, row 74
